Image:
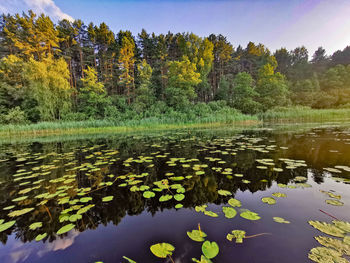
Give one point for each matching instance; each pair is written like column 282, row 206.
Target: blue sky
column 275, row 23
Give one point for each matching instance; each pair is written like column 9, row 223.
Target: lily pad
column 345, row 226
column 179, row 197
column 7, row 225
column 229, row 212
column 326, row 255
column 35, row 225
column 165, row 198
column 162, row 250
column 280, row 220
column 20, row 212
column 234, row 202
column 196, row 235
column 250, row 215
column 40, row 237
column 237, row 234
column 107, row 198
column 336, row 244
column 210, row 249
column 334, row 202
column 279, row 195
column 328, row 229
column 148, row 194
column 65, row 229
column 224, row 192
column 268, row 200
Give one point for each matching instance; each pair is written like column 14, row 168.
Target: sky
column 274, row 23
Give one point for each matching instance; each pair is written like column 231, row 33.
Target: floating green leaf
column 148, row 194
column 203, row 260
column 328, row 229
column 65, row 229
column 224, row 192
column 250, row 215
column 107, row 198
column 211, row 213
column 237, row 234
column 179, row 197
column 268, row 200
column 7, row 225
column 334, row 202
column 210, row 249
column 336, row 244
column 162, row 250
column 229, row 212
column 21, row 198
column 20, row 212
column 35, row 225
column 279, row 195
column 165, row 198
column 234, row 202
column 196, row 235
column 280, row 220
column 326, row 255
column 85, row 199
column 40, row 237
column 345, row 226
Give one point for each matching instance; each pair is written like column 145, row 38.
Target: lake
column 99, row 198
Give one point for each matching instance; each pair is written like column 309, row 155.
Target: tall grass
column 90, row 126
column 304, row 114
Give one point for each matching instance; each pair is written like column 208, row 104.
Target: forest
column 72, row 71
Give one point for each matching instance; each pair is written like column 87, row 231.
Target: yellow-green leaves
column 280, row 220
column 237, row 234
column 65, row 229
column 162, row 250
column 196, row 235
column 250, row 215
column 268, row 200
column 7, row 225
column 229, row 212
column 328, row 229
column 210, row 249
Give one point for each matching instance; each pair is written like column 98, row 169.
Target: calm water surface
column 55, row 180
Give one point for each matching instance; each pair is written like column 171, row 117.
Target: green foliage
column 49, row 86
column 182, row 77
column 271, row 87
column 77, row 72
column 162, row 250
column 14, row 116
column 196, row 235
column 210, row 249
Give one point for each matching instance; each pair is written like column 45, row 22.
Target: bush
column 75, row 116
column 15, row 116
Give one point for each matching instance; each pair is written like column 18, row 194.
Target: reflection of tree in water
column 200, row 189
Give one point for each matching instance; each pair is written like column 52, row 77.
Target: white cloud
column 48, row 7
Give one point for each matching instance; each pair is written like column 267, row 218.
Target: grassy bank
column 279, row 115
column 109, row 126
column 304, row 114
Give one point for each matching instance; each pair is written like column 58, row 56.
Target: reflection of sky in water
column 17, row 252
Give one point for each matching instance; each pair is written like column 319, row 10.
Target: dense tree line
column 74, row 71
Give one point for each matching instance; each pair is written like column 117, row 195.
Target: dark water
column 129, row 224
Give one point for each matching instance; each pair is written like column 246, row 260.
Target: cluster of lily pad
column 335, row 247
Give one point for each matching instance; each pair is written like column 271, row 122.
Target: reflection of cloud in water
column 20, row 255
column 59, row 244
